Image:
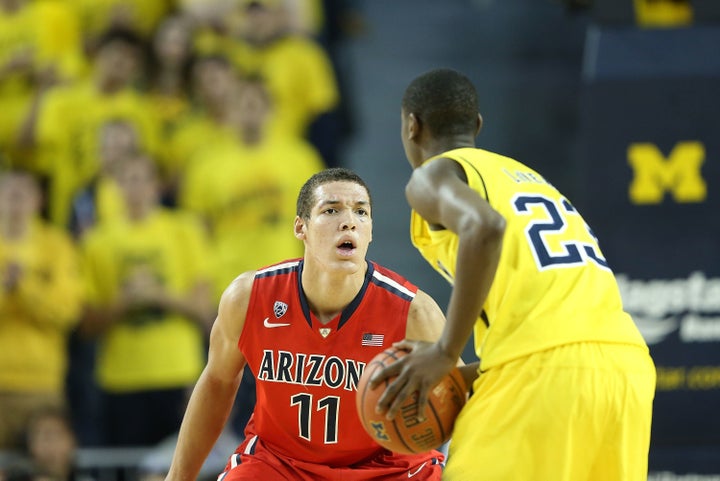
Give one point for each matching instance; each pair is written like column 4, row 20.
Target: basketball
column 405, row 434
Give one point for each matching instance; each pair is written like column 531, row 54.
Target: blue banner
column 649, row 157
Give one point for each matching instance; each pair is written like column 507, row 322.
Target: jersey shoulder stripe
column 391, row 285
column 276, row 269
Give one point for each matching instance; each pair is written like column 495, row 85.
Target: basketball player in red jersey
column 307, row 327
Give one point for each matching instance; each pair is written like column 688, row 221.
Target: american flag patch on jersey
column 372, row 339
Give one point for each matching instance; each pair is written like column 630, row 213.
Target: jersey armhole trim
column 482, row 180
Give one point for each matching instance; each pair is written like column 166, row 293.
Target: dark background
column 566, row 91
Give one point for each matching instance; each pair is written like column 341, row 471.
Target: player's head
column 439, row 105
column 307, row 198
column 334, row 221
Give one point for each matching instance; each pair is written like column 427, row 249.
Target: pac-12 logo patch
column 280, row 308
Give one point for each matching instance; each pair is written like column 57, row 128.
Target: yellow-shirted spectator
column 63, row 127
column 100, row 199
column 208, row 122
column 149, row 299
column 246, row 188
column 168, row 73
column 38, row 39
column 40, row 301
column 298, row 71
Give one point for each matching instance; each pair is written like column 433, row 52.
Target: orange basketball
column 405, row 434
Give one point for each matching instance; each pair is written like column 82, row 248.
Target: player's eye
column 362, row 212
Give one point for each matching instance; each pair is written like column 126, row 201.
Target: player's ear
column 299, row 228
column 414, row 127
column 479, row 124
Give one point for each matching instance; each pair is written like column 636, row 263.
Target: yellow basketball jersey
column 553, row 286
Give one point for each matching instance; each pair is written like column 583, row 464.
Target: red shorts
column 256, row 461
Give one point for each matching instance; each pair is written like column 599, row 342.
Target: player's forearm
column 477, row 261
column 207, row 412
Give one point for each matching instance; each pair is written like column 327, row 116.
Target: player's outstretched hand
column 420, row 370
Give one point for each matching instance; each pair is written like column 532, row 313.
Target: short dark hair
column 444, row 100
column 306, row 197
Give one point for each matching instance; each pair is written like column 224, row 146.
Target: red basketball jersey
column 307, row 372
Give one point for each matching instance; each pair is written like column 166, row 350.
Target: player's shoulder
column 238, row 291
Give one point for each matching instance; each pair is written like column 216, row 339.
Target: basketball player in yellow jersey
column 566, row 384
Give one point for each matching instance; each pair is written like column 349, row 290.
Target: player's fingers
column 422, row 400
column 402, row 395
column 385, row 372
column 389, row 396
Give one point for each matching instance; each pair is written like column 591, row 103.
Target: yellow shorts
column 579, row 412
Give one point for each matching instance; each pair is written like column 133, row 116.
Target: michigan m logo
column 679, row 173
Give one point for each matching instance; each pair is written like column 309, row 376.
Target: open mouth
column 346, row 246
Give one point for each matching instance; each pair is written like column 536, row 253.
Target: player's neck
column 328, row 293
column 435, row 147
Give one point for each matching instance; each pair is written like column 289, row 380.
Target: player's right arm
column 439, row 193
column 214, row 395
column 425, row 324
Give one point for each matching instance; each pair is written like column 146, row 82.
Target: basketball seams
column 400, row 436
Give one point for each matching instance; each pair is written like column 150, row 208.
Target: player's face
column 339, row 229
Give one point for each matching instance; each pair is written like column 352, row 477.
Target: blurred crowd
column 150, row 151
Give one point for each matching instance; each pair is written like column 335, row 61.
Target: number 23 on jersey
column 557, row 234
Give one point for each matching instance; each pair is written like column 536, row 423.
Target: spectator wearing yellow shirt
column 41, row 297
column 214, row 85
column 39, row 40
column 100, row 199
column 298, row 71
column 246, row 187
column 168, row 73
column 62, row 127
column 149, row 305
